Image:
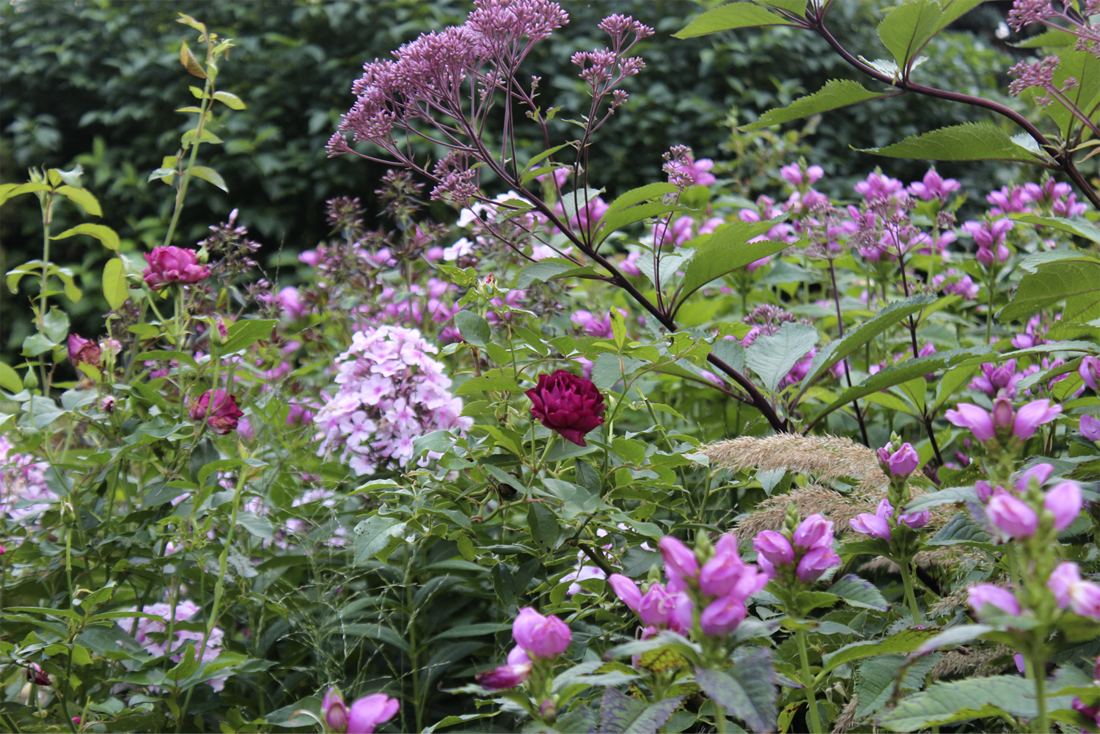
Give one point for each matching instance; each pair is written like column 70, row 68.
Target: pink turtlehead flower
column 814, row 532
column 1089, row 427
column 680, row 561
column 979, row 595
column 1064, row 502
column 1011, row 515
column 900, row 463
column 539, row 636
column 370, row 711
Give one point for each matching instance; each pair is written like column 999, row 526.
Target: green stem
column 808, row 681
column 185, row 175
column 1039, row 673
column 719, row 718
column 910, row 595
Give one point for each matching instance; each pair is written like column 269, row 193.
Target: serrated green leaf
column 725, row 250
column 905, row 641
column 747, row 690
column 83, row 198
column 772, row 357
column 243, row 334
column 731, row 16
column 115, row 289
column 210, row 175
column 543, row 271
column 878, row 677
column 230, row 100
column 8, row 191
column 907, row 27
column 473, row 328
column 962, row 530
column 1074, row 281
column 963, row 700
column 835, row 94
column 948, row 495
column 9, row 379
column 860, row 593
column 1080, row 227
column 837, row 350
column 530, row 172
column 971, row 141
column 543, row 525
column 372, row 535
column 101, row 232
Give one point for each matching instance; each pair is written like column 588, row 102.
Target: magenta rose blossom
column 568, row 404
column 219, row 409
column 173, row 265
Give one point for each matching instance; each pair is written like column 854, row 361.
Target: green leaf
column 948, row 495
column 772, row 357
column 638, row 195
column 877, row 677
column 231, row 101
column 9, row 379
column 115, row 289
column 907, row 370
column 485, row 384
column 1074, row 281
column 962, row 530
column 36, row 344
column 56, row 325
column 971, row 141
column 210, row 175
column 837, row 350
column 612, row 222
column 909, row 26
column 373, row 534
column 543, row 525
column 966, row 699
column 83, row 198
column 953, row 637
column 731, row 16
column 747, row 690
column 165, row 356
column 543, row 271
column 243, row 334
column 101, row 232
column 190, row 62
column 1079, row 227
column 622, row 714
column 835, row 94
column 8, row 191
column 529, row 172
column 905, row 641
column 473, row 328
column 859, row 592
column 726, row 250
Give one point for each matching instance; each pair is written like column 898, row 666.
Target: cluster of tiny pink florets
column 391, row 392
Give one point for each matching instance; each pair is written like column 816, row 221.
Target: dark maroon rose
column 173, row 265
column 568, row 404
column 219, row 409
column 83, row 351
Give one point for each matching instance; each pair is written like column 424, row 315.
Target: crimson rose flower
column 219, row 409
column 173, row 265
column 568, row 404
column 83, row 351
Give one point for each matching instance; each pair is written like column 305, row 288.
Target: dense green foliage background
column 97, row 83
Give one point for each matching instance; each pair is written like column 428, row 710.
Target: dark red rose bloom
column 568, row 404
column 173, row 265
column 219, row 409
column 83, row 351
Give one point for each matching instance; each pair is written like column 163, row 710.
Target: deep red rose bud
column 173, row 265
column 83, row 351
column 219, row 409
column 568, row 404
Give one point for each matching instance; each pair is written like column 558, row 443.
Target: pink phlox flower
column 933, row 186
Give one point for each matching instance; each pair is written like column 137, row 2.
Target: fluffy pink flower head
column 370, row 711
column 173, row 265
column 978, row 595
column 568, row 404
column 539, row 636
column 219, row 409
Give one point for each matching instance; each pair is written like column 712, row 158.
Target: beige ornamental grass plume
column 821, row 457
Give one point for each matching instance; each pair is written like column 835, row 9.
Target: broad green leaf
column 189, row 21
column 837, row 350
column 530, row 172
column 1081, row 66
column 640, row 194
column 36, row 344
column 543, row 525
column 906, row 29
column 726, row 250
column 372, row 535
column 798, row 7
column 747, row 690
column 731, row 16
column 905, row 641
column 473, row 328
column 244, row 334
column 543, row 271
column 772, row 357
column 952, row 637
column 115, row 289
column 955, row 9
column 946, row 496
column 857, row 592
column 101, row 232
column 971, row 141
column 210, row 175
column 907, row 370
column 967, row 699
column 620, row 713
column 231, row 101
column 1074, row 281
column 1049, row 38
column 835, row 94
column 8, row 191
column 190, row 62
column 878, row 675
column 486, row 384
column 9, row 379
column 962, row 530
column 1080, row 227
column 613, row 221
column 83, row 198
column 56, row 325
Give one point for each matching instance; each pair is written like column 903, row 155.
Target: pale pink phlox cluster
column 23, row 492
column 151, row 634
column 391, row 391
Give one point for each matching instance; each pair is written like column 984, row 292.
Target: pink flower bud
column 773, row 549
column 902, row 462
column 1089, row 369
column 568, row 404
column 1061, row 579
column 1002, row 414
column 814, row 532
column 656, row 606
column 815, row 563
column 1040, row 473
column 679, row 559
column 985, row 491
column 504, row 677
column 1031, row 416
column 1084, row 599
column 1064, row 502
column 872, row 525
column 626, row 590
column 333, row 710
column 981, row 594
column 722, row 616
column 719, row 575
column 36, row 676
column 1090, row 428
column 541, row 637
column 969, row 416
column 370, row 711
column 985, row 256
column 1011, row 516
